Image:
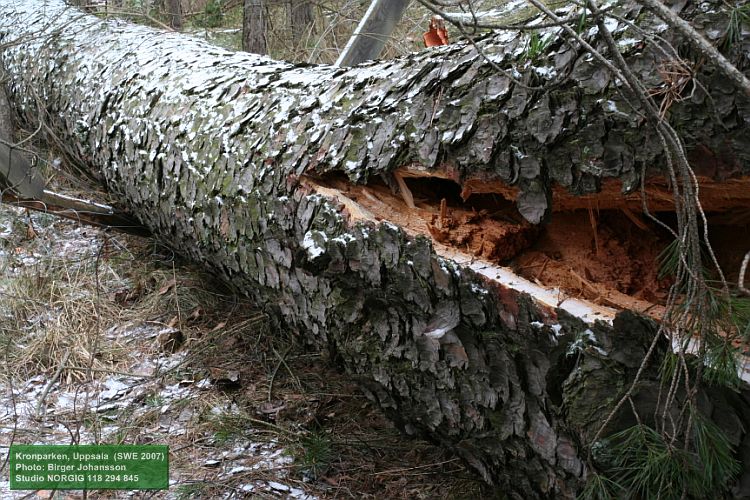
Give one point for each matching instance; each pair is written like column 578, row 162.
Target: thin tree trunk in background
column 260, row 170
column 300, row 18
column 174, row 11
column 16, row 171
column 254, row 27
column 372, row 32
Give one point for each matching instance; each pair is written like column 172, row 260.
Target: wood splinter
column 743, row 270
column 404, row 190
column 443, row 213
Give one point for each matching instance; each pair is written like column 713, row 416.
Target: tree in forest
column 254, row 26
column 371, row 210
column 174, row 11
column 300, row 18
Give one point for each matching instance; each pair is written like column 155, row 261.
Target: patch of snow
column 114, row 389
column 624, row 43
column 314, row 250
column 548, row 72
column 236, row 470
column 203, row 384
column 344, row 238
column 278, row 486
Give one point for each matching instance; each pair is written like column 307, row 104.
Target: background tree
column 174, row 11
column 301, row 18
column 254, row 27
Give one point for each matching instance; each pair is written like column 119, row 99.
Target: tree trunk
column 300, row 18
column 254, row 27
column 361, row 208
column 372, row 32
column 174, row 10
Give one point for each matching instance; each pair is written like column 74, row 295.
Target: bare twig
column 699, row 42
column 52, row 381
column 741, row 279
column 276, row 370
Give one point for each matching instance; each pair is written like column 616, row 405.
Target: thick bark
column 254, row 27
column 242, row 163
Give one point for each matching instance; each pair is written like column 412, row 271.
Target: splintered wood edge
column 549, row 297
column 715, row 195
column 501, row 278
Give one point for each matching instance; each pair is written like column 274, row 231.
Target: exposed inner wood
column 607, row 257
column 489, row 229
column 716, row 196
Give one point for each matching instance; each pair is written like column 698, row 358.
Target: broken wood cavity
column 600, row 247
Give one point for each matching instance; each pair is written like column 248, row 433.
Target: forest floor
column 110, row 338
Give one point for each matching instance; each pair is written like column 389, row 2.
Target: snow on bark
column 209, row 149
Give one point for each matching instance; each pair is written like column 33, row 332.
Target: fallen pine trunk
column 369, row 209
